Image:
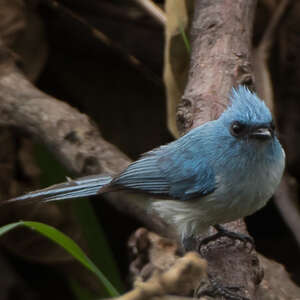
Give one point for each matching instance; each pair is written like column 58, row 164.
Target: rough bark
column 152, row 254
column 220, row 58
column 221, row 35
column 276, row 284
column 69, row 134
column 182, row 277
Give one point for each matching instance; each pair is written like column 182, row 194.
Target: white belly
column 234, row 199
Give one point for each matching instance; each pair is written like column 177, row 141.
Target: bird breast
column 251, row 187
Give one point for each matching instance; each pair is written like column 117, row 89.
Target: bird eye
column 237, row 128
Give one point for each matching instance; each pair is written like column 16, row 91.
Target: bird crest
column 246, row 107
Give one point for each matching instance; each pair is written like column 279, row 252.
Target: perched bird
column 218, row 172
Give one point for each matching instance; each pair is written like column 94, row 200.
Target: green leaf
column 184, row 37
column 99, row 250
column 9, row 227
column 98, row 246
column 68, row 244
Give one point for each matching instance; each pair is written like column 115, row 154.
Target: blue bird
column 221, row 171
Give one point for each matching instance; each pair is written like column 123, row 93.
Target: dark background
column 130, row 110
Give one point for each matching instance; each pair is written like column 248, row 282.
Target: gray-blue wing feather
column 179, row 170
column 175, row 171
column 81, row 187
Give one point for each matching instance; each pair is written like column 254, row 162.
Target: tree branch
column 285, row 198
column 103, row 38
column 183, row 276
column 154, row 10
column 220, row 39
column 221, row 58
column 221, row 35
column 261, row 55
column 69, row 134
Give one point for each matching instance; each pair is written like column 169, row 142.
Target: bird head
column 247, row 117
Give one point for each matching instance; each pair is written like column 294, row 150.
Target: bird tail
column 77, row 188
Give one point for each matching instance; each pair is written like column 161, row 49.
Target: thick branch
column 277, row 284
column 181, row 278
column 221, row 42
column 221, row 58
column 69, row 134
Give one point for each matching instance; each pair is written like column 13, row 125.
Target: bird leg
column 189, row 243
column 221, row 232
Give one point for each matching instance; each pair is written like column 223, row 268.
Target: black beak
column 262, row 133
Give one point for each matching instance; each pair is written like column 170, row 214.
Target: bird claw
column 245, row 238
column 216, row 289
column 221, row 232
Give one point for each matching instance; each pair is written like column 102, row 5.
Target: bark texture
column 69, row 134
column 221, row 58
column 220, row 36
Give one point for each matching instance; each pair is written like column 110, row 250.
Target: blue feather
column 81, row 187
column 246, row 107
column 173, row 171
column 227, row 174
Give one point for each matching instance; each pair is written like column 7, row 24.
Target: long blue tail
column 81, row 187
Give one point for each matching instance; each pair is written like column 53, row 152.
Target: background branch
column 285, row 197
column 70, row 135
column 106, row 40
column 154, row 10
column 221, row 42
column 261, row 55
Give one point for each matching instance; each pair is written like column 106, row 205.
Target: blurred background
column 55, row 46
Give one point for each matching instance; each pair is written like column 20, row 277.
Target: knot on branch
column 184, row 116
column 159, row 270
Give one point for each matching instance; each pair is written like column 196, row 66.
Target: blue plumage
column 77, row 188
column 246, row 107
column 218, row 172
column 171, row 171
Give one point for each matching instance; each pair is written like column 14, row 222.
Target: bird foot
column 221, row 232
column 217, row 289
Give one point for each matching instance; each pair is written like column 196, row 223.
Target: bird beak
column 262, row 133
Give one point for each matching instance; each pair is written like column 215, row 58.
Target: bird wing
column 173, row 171
column 189, row 176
